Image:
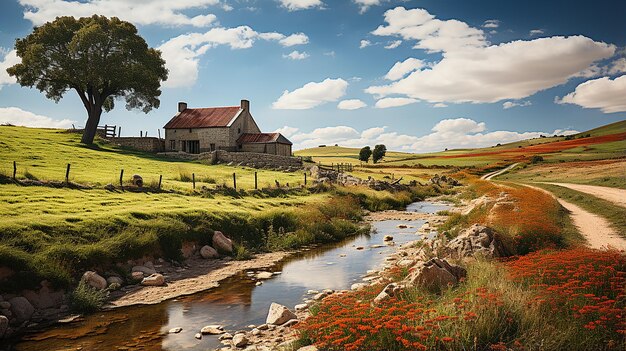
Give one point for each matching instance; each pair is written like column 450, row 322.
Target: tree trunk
column 91, row 127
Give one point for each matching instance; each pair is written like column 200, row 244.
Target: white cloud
column 401, row 69
column 448, row 133
column 161, row 12
column 311, row 95
column 440, row 105
column 432, row 34
column 227, row 7
column 182, row 53
column 9, row 60
column 17, row 116
column 294, row 5
column 294, row 39
column 534, row 32
column 364, row 44
column 394, row 102
column 296, row 55
column 472, row 70
column 512, row 70
column 287, row 131
column 394, row 44
column 509, row 104
column 491, row 23
column 352, row 104
column 365, row 4
column 603, row 93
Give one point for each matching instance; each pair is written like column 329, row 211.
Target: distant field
column 44, row 153
column 611, row 173
column 601, row 143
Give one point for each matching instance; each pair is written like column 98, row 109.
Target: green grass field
column 44, row 154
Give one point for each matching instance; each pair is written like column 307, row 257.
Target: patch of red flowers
column 350, row 322
column 588, row 286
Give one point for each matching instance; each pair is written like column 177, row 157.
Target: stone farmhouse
column 198, row 130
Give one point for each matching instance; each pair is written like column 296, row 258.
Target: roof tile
column 203, row 117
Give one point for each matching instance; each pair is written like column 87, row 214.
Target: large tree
column 365, row 153
column 101, row 58
column 379, row 152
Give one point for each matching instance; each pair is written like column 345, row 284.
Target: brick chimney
column 245, row 105
column 182, row 106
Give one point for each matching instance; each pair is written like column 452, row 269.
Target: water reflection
column 237, row 303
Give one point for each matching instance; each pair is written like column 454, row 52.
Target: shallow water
column 236, row 303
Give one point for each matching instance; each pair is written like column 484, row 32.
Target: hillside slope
column 600, row 143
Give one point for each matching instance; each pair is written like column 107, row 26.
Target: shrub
column 536, row 159
column 87, row 299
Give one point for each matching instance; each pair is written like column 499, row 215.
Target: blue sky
column 466, row 74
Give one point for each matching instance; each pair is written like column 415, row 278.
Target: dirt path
column 596, row 229
column 203, row 275
column 614, row 195
column 490, row 176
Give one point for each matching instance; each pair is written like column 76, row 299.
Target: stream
column 236, row 303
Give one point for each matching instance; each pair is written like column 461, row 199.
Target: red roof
column 203, row 117
column 262, row 138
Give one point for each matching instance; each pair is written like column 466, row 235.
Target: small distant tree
column 102, row 59
column 536, row 159
column 365, row 154
column 378, row 153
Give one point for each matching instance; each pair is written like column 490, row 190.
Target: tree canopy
column 379, row 152
column 365, row 153
column 102, row 59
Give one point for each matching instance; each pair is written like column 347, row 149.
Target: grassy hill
column 600, row 143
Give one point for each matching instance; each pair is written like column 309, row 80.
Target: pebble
column 198, row 336
column 175, row 330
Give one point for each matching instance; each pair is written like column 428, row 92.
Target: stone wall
column 150, row 144
column 257, row 160
column 250, row 159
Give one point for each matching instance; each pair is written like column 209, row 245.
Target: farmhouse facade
column 232, row 128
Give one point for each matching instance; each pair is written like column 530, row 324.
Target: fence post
column 121, row 178
column 193, row 179
column 141, row 133
column 256, row 184
column 160, row 179
column 235, row 181
column 14, row 169
column 304, row 178
column 67, row 174
column 119, row 133
column 159, row 130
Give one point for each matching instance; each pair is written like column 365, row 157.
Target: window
column 212, row 147
column 189, row 130
column 238, row 130
column 172, row 144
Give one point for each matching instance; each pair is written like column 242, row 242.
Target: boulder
column 21, row 308
column 155, row 279
column 240, row 340
column 175, row 330
column 95, row 280
column 221, row 243
column 308, row 348
column 279, row 314
column 212, row 330
column 388, row 292
column 144, row 269
column 477, row 240
column 388, row 238
column 358, row 286
column 46, row 297
column 4, row 325
column 264, row 275
column 115, row 280
column 208, row 252
column 188, row 249
column 137, row 275
column 137, row 180
column 436, row 274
